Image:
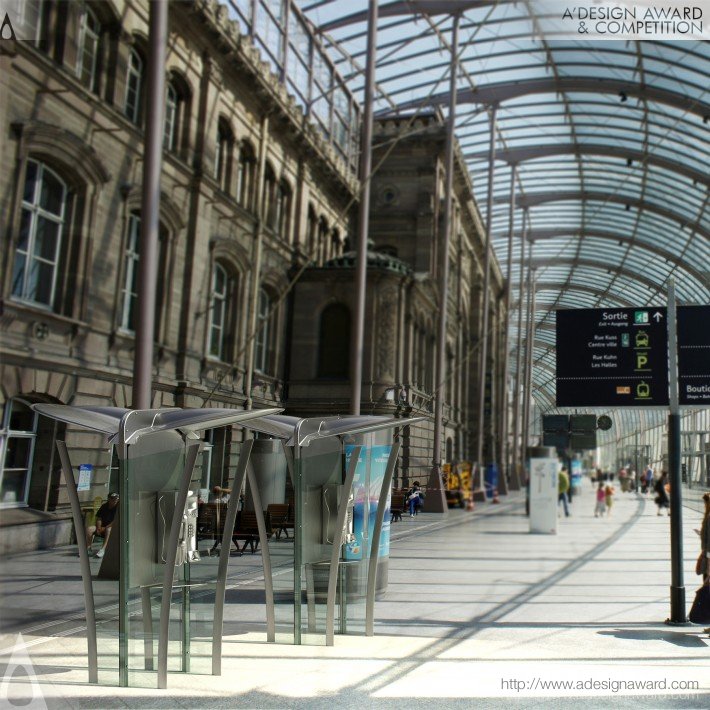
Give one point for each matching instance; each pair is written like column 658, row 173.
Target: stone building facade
column 402, row 305
column 258, row 201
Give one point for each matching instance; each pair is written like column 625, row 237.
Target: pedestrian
column 414, row 499
column 600, row 507
column 624, row 480
column 609, row 497
column 703, row 564
column 562, row 489
column 661, row 499
column 649, row 478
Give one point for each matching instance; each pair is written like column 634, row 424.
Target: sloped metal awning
column 609, row 140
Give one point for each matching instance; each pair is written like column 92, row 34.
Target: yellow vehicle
column 457, row 479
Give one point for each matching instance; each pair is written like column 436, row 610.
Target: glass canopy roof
column 610, row 141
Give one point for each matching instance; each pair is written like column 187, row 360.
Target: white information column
column 543, row 468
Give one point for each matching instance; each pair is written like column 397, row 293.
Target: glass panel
column 39, row 282
column 30, row 181
column 321, row 489
column 150, row 481
column 22, row 418
column 52, row 193
column 18, row 274
column 46, row 239
column 23, row 236
column 13, row 486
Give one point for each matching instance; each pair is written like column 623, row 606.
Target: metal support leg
column 265, row 556
column 171, row 554
column 335, row 554
column 147, row 628
column 230, row 520
column 376, row 534
column 83, row 560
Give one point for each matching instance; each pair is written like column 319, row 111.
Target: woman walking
column 703, row 564
column 662, row 500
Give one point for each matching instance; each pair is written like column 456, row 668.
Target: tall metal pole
column 504, row 411
column 674, row 466
column 486, row 295
column 358, row 327
column 150, row 207
column 257, row 255
column 439, row 504
column 527, row 389
column 517, row 459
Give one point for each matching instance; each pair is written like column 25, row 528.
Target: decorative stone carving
column 386, row 331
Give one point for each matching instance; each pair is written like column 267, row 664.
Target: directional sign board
column 693, row 354
column 612, row 357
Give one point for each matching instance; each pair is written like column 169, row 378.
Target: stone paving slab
column 477, row 611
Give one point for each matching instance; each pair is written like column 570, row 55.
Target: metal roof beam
column 670, row 256
column 408, row 7
column 570, row 287
column 497, row 93
column 540, row 198
column 633, row 275
column 514, row 156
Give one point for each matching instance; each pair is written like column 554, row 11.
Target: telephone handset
column 188, row 531
column 187, row 536
column 331, row 494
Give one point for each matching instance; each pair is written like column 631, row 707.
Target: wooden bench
column 280, row 518
column 210, row 523
column 397, row 505
column 247, row 529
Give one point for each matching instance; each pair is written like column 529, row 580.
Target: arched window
column 312, row 233
column 177, row 104
column 224, row 147
column 283, row 210
column 172, row 104
column 322, row 239
column 134, row 87
column 129, row 288
column 245, row 174
column 334, row 343
column 268, row 205
column 87, row 56
column 222, row 320
column 129, row 292
column 264, row 335
column 17, row 442
column 335, row 244
column 449, row 450
column 34, row 19
column 36, row 263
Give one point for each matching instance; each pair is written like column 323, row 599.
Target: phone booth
column 341, row 474
column 154, row 606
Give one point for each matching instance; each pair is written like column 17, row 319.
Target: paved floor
column 477, row 611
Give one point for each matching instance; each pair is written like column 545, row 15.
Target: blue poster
column 366, row 498
column 353, row 550
column 378, row 465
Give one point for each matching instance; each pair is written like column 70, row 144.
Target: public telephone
column 187, row 538
column 330, row 500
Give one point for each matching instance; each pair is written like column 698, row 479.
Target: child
column 601, row 501
column 609, row 495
